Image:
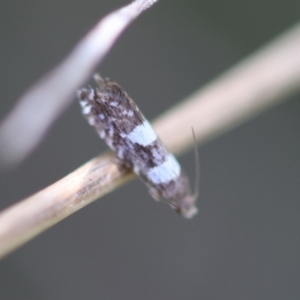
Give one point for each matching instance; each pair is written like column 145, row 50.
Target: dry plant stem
column 249, row 88
column 30, row 217
column 46, row 100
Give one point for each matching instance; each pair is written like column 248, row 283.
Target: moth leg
column 122, row 164
column 156, row 195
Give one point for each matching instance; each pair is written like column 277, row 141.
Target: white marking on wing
column 102, row 134
column 113, row 103
column 87, row 109
column 136, row 169
column 168, row 170
column 83, row 103
column 91, row 120
column 142, row 134
column 127, row 113
column 91, row 94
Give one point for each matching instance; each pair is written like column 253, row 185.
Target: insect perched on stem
column 120, row 123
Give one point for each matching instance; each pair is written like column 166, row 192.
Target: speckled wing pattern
column 118, row 121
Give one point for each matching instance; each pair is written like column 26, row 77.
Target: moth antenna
column 197, row 170
column 170, row 203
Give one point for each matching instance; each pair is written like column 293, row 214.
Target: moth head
column 187, row 207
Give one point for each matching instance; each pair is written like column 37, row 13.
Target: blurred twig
column 30, row 217
column 249, row 88
column 34, row 113
column 258, row 82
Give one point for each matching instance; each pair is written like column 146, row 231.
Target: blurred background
column 243, row 244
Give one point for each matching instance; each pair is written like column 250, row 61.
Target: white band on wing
column 168, row 170
column 142, row 134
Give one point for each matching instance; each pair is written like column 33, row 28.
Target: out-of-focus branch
column 260, row 81
column 46, row 100
column 28, row 218
column 252, row 86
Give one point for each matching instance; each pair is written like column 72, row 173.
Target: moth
column 118, row 121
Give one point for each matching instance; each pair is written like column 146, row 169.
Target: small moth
column 121, row 124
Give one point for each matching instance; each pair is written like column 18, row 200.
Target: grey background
column 244, row 244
